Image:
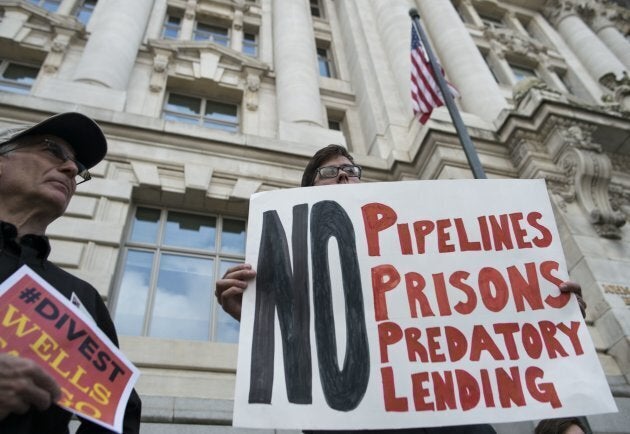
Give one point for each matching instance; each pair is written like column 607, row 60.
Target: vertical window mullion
column 217, row 269
column 155, row 272
column 202, row 112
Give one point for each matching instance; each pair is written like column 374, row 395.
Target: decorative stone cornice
column 558, row 10
column 510, row 41
column 228, row 56
column 524, row 146
column 620, row 199
column 534, row 85
column 590, row 172
column 58, row 48
column 620, row 88
column 159, row 74
column 621, row 163
column 190, row 10
column 252, row 85
column 622, row 20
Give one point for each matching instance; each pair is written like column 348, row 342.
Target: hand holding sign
column 23, row 383
column 54, row 352
column 229, row 289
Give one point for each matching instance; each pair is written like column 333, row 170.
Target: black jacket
column 33, row 251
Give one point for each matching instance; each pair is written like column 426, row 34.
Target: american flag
column 425, row 92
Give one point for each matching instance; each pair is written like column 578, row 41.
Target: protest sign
column 410, row 304
column 38, row 323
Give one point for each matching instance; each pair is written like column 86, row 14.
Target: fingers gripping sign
column 23, row 384
column 229, row 289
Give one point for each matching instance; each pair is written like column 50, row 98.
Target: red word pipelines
column 492, row 287
column 496, row 232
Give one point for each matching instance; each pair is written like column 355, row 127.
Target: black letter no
column 278, row 287
column 343, row 389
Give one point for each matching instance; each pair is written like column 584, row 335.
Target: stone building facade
column 205, row 102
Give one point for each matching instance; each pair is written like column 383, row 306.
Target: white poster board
column 410, row 304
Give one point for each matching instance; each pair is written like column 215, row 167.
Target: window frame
column 158, row 249
column 318, row 6
column 492, row 21
column 42, row 4
column 326, row 59
column 80, row 7
column 200, row 119
column 212, row 37
column 166, row 25
column 248, row 43
column 20, row 88
column 516, row 67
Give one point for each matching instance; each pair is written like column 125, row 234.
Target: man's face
column 33, row 174
column 574, row 429
column 342, row 177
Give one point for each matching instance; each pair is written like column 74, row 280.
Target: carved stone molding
column 252, row 85
column 621, row 163
column 620, row 88
column 562, row 190
column 191, row 9
column 622, row 20
column 534, row 84
column 510, row 41
column 557, row 10
column 523, row 145
column 620, row 199
column 159, row 74
column 58, row 48
column 590, row 171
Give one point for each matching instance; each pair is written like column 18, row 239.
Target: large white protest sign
column 410, row 304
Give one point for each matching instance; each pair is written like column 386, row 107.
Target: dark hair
column 557, row 426
column 320, row 157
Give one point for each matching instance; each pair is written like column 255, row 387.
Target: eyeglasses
column 56, row 151
column 351, row 170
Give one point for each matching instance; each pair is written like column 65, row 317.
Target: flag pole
column 462, row 132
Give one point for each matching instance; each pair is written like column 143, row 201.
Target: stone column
column 111, row 51
column 394, row 27
column 295, row 63
column 462, row 61
column 591, row 51
column 612, row 37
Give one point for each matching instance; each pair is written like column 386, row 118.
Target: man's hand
column 23, row 384
column 229, row 289
column 576, row 289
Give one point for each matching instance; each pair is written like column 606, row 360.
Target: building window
column 171, row 261
column 17, row 78
column 84, row 10
column 492, row 22
column 334, row 125
column 325, row 61
column 521, row 72
column 172, row 26
column 250, row 44
column 209, row 32
column 200, row 111
column 317, row 9
column 49, row 5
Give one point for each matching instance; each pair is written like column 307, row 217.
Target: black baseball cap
column 83, row 134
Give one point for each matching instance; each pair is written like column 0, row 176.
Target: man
column 334, row 165
column 40, row 167
column 567, row 425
